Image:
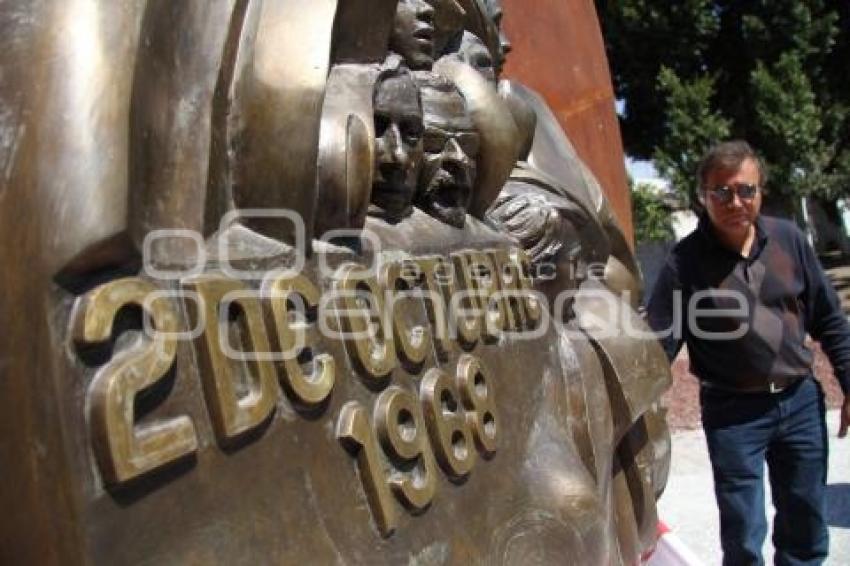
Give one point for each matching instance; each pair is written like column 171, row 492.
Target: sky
column 640, row 170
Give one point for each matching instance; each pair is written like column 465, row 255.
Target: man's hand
column 845, row 417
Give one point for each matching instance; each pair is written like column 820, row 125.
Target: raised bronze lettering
column 447, row 424
column 368, row 337
column 355, row 434
column 411, row 343
column 401, row 431
column 440, row 288
column 291, row 339
column 123, row 450
column 467, row 315
column 223, row 376
column 487, row 285
column 507, row 278
column 531, row 305
column 479, row 400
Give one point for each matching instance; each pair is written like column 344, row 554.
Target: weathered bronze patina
column 300, row 281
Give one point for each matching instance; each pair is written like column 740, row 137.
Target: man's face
column 451, row 146
column 398, row 156
column 413, row 33
column 734, row 219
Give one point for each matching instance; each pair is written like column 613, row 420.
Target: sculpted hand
column 845, row 417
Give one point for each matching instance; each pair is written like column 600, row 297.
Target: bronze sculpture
column 474, row 53
column 451, row 147
column 190, row 375
column 413, row 33
column 398, row 136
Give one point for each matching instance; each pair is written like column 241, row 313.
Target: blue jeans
column 788, row 431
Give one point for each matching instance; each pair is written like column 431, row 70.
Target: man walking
column 743, row 291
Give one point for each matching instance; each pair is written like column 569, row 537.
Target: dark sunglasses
column 725, row 193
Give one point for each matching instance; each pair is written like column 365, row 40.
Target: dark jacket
column 745, row 319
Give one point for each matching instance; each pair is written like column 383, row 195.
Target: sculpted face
column 474, row 53
column 413, row 33
column 398, row 156
column 733, row 219
column 451, row 145
column 505, row 47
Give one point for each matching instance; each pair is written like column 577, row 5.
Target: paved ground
column 688, row 505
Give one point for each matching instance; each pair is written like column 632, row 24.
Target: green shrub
column 652, row 218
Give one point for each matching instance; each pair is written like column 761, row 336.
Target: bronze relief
column 278, row 291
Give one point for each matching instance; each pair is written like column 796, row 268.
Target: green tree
column 651, row 216
column 773, row 72
column 691, row 127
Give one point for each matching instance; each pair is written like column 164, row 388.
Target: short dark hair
column 728, row 156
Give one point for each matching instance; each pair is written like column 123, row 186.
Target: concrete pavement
column 689, row 509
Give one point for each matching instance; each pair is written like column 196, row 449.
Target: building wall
column 559, row 52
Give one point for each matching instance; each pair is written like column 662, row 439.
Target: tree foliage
column 692, row 125
column 651, row 217
column 773, row 72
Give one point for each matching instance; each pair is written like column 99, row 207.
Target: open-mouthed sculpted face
column 451, row 145
column 398, row 156
column 413, row 33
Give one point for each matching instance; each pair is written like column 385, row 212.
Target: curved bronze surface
column 179, row 381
